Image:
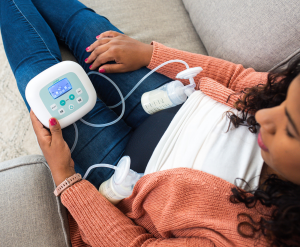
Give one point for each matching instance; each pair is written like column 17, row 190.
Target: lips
column 261, row 144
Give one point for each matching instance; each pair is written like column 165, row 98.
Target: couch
column 258, row 34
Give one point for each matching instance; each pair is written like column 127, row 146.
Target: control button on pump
column 79, row 91
column 79, row 100
column 61, row 111
column 71, row 97
column 71, row 107
column 53, row 107
column 62, row 102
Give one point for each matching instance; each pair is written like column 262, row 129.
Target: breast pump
column 65, row 92
column 171, row 94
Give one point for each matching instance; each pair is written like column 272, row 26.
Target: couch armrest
column 30, row 213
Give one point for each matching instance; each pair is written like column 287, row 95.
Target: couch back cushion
column 257, row 34
column 164, row 21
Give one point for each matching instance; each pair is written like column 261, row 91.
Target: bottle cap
column 123, row 170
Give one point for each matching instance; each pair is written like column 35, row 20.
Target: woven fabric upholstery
column 30, row 213
column 257, row 34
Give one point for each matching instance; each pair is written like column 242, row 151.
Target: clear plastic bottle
column 171, row 94
column 166, row 96
column 120, row 185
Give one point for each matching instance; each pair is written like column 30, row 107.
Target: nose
column 268, row 119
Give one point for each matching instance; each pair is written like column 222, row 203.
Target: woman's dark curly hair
column 268, row 95
column 283, row 228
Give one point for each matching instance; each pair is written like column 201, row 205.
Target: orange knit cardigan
column 176, row 207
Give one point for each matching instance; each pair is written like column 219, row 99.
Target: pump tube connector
column 189, row 74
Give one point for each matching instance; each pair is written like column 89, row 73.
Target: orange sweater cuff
column 99, row 221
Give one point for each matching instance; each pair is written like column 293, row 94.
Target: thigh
column 77, row 26
column 98, row 145
column 29, row 43
column 31, row 48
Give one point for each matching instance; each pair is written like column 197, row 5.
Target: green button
column 71, row 97
column 62, row 102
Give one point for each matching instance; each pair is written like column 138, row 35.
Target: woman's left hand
column 55, row 149
column 127, row 53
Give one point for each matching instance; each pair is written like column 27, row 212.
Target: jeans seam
column 34, row 30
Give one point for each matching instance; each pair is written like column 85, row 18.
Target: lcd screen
column 60, row 88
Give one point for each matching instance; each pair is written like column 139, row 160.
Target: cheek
column 284, row 158
column 276, row 152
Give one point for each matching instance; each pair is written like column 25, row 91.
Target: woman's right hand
column 55, row 149
column 129, row 54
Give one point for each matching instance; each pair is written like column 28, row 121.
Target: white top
column 197, row 138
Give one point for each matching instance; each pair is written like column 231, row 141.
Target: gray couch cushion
column 258, row 34
column 30, row 213
column 164, row 21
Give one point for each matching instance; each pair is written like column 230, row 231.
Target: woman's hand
column 129, row 54
column 55, row 149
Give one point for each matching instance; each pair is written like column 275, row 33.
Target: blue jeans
column 30, row 30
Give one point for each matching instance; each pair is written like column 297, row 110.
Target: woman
column 179, row 206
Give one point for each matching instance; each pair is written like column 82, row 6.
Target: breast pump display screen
column 60, row 88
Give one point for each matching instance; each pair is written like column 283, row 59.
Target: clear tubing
column 122, row 101
column 98, row 165
column 121, row 95
column 76, row 137
column 147, row 75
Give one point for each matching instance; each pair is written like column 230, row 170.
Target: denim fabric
column 30, row 30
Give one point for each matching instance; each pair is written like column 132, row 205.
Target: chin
column 267, row 160
column 264, row 155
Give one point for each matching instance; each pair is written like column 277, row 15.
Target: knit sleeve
column 100, row 222
column 96, row 222
column 230, row 75
column 218, row 92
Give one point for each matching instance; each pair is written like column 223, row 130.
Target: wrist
column 148, row 54
column 62, row 176
column 67, row 183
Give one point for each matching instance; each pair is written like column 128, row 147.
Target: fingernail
column 102, row 70
column 97, row 37
column 53, row 121
column 90, row 66
column 87, row 48
column 85, row 59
